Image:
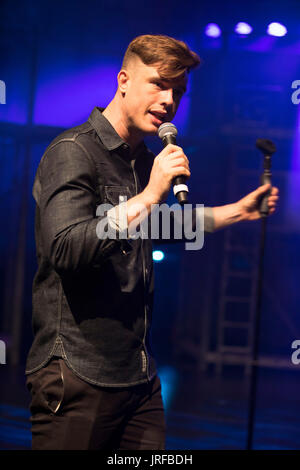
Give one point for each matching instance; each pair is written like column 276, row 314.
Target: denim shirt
column 92, row 298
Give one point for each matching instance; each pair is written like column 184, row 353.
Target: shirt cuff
column 117, row 218
column 209, row 221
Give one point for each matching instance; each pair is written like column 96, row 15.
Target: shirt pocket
column 116, row 194
column 47, row 388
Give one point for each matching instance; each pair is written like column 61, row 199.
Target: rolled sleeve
column 209, row 221
column 117, row 218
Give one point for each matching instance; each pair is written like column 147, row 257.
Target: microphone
column 167, row 132
column 267, row 147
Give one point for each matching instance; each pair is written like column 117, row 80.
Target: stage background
column 58, row 60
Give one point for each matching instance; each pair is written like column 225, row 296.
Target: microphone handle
column 180, row 188
column 265, row 179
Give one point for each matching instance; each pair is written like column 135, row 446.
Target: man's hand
column 248, row 206
column 168, row 164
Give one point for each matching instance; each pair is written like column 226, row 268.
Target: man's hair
column 172, row 56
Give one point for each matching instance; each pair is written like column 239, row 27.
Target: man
column 90, row 369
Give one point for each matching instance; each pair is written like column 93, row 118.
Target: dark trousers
column 69, row 413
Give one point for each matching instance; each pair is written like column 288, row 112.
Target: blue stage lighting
column 169, row 378
column 243, row 28
column 213, row 30
column 276, row 29
column 158, row 255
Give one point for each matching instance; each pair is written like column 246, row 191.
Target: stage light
column 213, row 30
column 169, row 384
column 243, row 28
column 158, row 255
column 276, row 29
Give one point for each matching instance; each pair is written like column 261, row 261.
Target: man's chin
column 155, row 122
column 150, row 130
column 153, row 131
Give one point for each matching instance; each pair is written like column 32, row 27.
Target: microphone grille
column 266, row 146
column 167, row 128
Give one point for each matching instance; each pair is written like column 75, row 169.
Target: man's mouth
column 159, row 117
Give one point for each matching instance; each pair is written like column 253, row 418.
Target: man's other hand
column 249, row 205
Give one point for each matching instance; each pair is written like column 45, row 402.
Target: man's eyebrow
column 183, row 88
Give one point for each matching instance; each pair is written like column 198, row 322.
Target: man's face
column 150, row 100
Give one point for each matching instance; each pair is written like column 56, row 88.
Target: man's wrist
column 228, row 215
column 237, row 212
column 149, row 198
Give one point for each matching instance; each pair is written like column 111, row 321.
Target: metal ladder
column 236, row 309
column 237, row 299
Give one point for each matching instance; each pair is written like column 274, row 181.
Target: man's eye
column 178, row 93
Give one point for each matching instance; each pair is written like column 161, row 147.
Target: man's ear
column 123, row 78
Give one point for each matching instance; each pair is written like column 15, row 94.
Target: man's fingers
column 263, row 189
column 172, row 147
column 273, row 198
column 274, row 191
column 272, row 203
column 178, row 153
column 259, row 191
column 169, row 150
column 180, row 170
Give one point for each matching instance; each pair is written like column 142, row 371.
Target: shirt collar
column 105, row 130
column 110, row 137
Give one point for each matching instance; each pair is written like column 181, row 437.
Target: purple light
column 67, row 98
column 276, row 29
column 293, row 188
column 181, row 119
column 213, row 30
column 243, row 28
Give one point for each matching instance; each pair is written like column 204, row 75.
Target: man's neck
column 114, row 114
